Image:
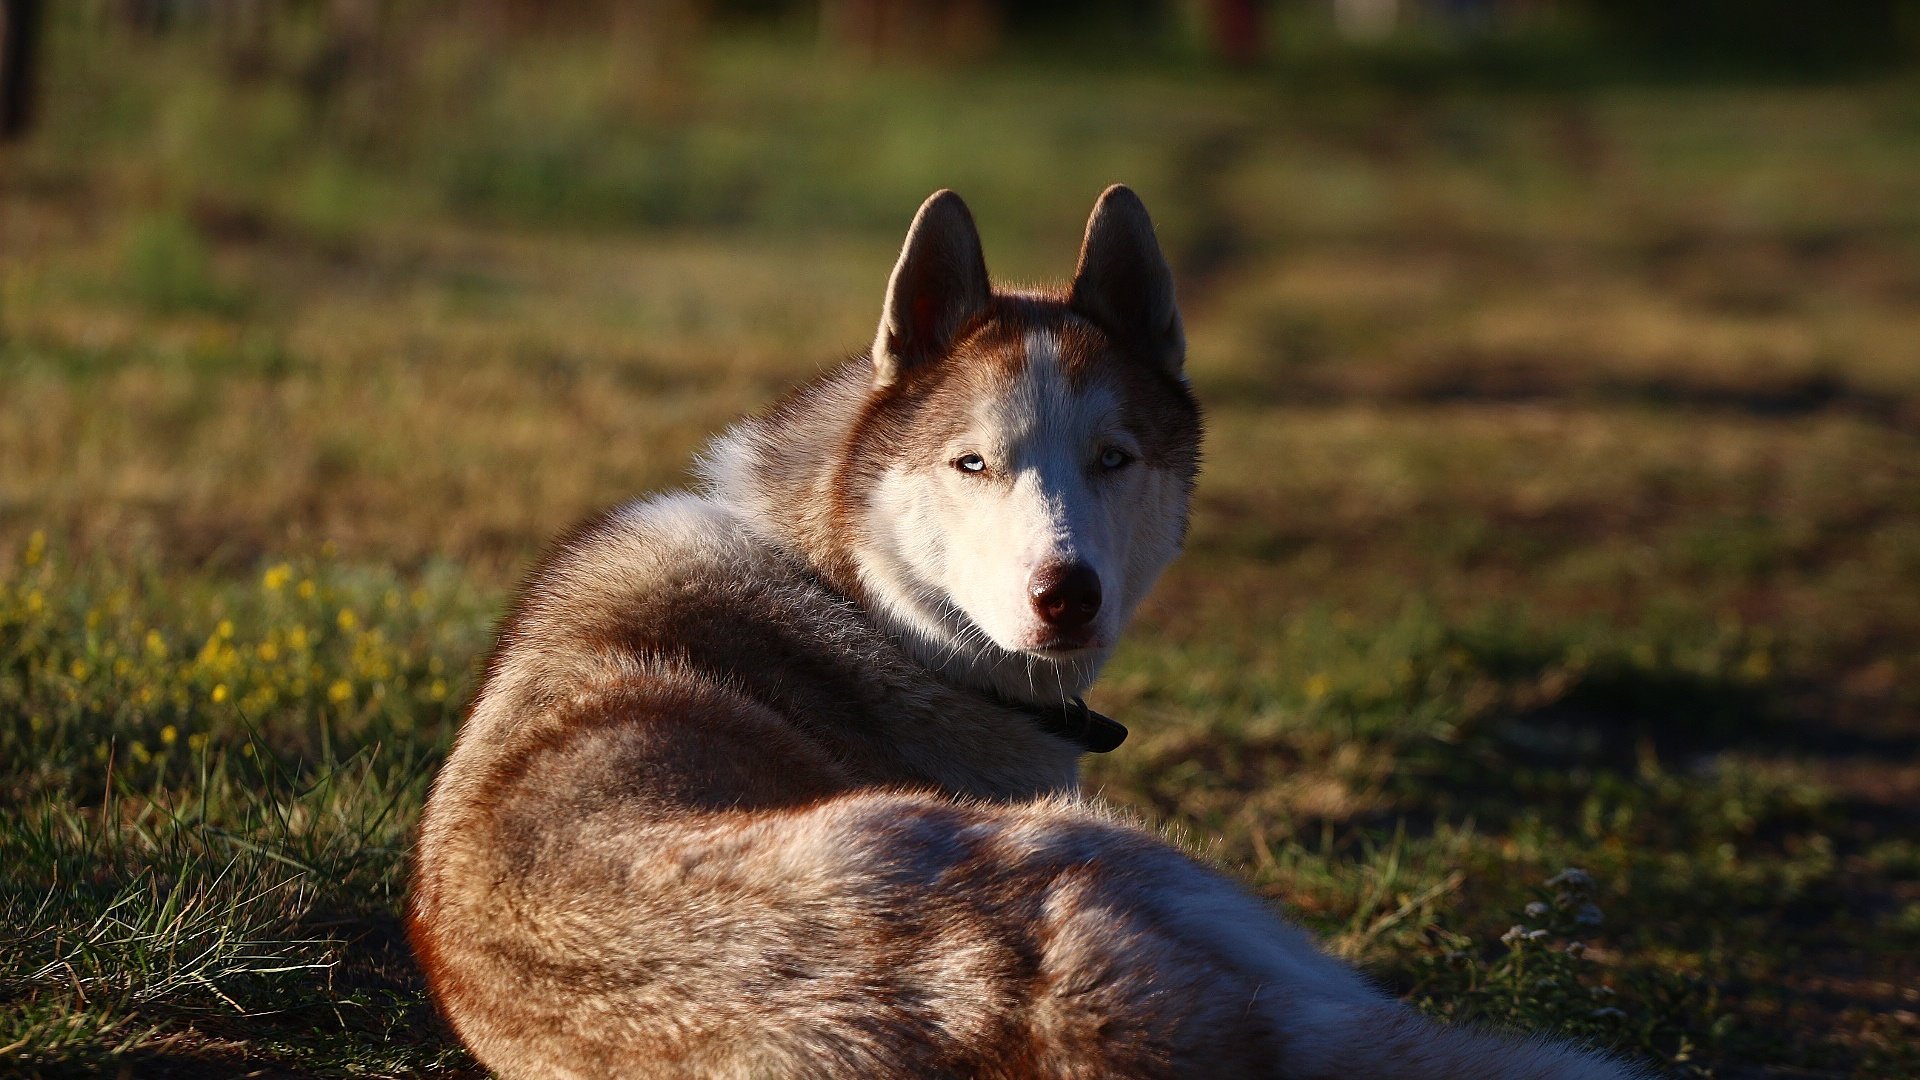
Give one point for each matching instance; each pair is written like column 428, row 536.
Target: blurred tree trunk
column 19, row 66
column 144, row 16
column 894, row 30
column 656, row 45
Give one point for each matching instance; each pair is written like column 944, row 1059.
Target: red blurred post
column 1239, row 30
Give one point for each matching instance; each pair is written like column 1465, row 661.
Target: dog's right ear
column 938, row 285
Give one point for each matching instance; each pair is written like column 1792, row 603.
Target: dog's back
column 772, row 781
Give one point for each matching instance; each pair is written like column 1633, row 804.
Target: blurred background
column 1561, row 506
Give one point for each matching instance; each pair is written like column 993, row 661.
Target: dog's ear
column 938, row 285
column 1123, row 285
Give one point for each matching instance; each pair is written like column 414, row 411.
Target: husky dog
column 777, row 779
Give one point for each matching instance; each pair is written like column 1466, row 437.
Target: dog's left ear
column 937, row 287
column 1123, row 284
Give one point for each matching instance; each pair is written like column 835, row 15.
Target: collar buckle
column 1078, row 724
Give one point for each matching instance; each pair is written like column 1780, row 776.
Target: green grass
column 1561, row 507
column 208, row 832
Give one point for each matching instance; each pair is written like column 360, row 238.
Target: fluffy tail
column 898, row 935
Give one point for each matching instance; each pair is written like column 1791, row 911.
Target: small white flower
column 1513, row 934
column 1536, row 935
column 1576, row 949
column 1537, row 909
column 1573, row 877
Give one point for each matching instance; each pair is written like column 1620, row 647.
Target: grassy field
column 1561, row 507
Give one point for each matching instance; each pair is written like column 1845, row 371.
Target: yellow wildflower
column 276, row 577
column 156, row 645
column 77, row 669
column 1317, row 686
column 168, row 735
column 220, row 693
column 36, row 547
column 347, row 619
column 340, row 692
column 306, row 589
column 197, row 741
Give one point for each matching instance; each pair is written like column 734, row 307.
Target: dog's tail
column 897, row 934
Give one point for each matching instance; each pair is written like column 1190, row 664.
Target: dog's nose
column 1066, row 596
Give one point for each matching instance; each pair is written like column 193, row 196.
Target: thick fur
column 748, row 790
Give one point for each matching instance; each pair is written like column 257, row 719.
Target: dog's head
column 1021, row 474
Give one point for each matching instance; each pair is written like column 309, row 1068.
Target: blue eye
column 970, row 463
column 1115, row 458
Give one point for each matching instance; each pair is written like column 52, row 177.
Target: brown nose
column 1065, row 595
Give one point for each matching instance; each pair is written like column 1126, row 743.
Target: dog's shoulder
column 660, row 578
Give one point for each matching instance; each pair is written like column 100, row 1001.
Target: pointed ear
column 1123, row 285
column 939, row 284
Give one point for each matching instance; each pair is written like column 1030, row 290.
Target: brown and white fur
column 751, row 788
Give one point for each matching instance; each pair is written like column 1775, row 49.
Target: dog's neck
column 785, row 472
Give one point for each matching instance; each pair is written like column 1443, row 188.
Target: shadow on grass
column 374, row 1010
column 1645, row 737
column 1522, row 383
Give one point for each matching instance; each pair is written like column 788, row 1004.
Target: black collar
column 1075, row 723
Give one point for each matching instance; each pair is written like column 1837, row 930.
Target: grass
column 1561, row 509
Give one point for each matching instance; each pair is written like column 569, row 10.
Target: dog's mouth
column 1064, row 646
